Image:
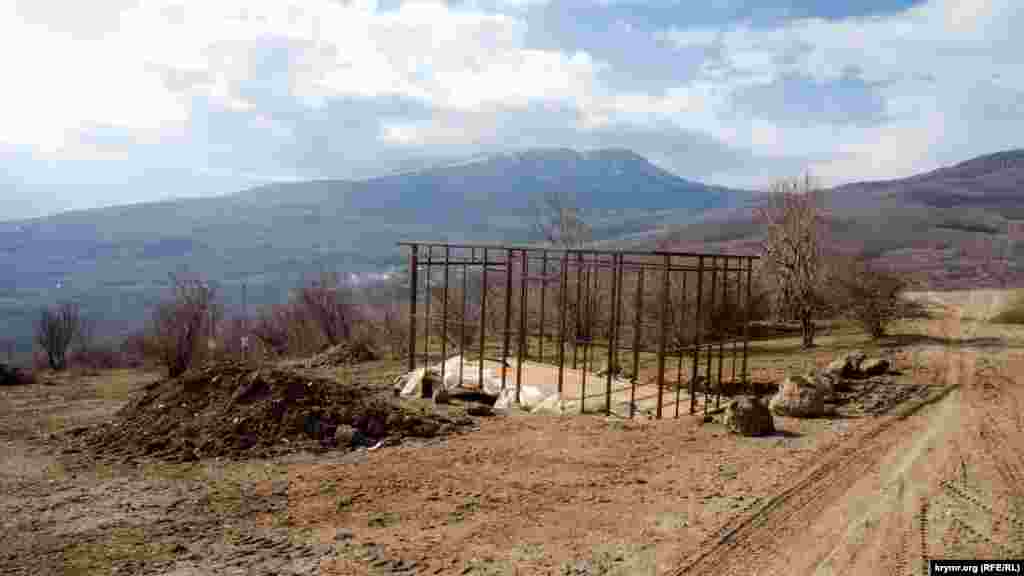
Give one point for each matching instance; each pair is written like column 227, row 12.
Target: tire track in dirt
column 757, row 538
column 803, row 501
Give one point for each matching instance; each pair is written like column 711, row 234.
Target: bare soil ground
column 927, row 463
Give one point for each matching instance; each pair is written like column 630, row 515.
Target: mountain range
column 951, row 227
column 115, row 261
column 957, row 227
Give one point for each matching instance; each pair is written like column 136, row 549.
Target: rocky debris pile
column 799, row 396
column 748, row 416
column 231, row 409
column 344, row 354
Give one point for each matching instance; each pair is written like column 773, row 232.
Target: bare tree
column 180, row 324
column 329, row 304
column 55, row 330
column 793, row 250
column 560, row 222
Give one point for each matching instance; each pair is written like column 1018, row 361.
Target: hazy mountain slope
column 115, row 261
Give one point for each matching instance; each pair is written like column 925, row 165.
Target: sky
column 113, row 101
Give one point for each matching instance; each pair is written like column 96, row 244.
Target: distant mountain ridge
column 116, row 261
column 953, row 227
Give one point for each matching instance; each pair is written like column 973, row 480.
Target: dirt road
column 943, row 480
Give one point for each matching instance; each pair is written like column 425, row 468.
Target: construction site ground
column 929, row 463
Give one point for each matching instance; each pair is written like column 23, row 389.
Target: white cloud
column 931, row 63
column 61, row 82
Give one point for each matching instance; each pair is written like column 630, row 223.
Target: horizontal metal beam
column 573, row 250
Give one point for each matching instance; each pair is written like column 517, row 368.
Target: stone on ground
column 827, row 382
column 875, row 367
column 748, row 416
column 800, row 397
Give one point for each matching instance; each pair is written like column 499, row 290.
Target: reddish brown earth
column 877, row 489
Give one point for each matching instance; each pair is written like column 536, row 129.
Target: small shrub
column 180, row 323
column 1013, row 312
column 55, row 329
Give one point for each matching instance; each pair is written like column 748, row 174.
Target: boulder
column 478, row 409
column 345, row 435
column 441, row 396
column 827, row 382
column 874, row 367
column 748, row 416
column 800, row 397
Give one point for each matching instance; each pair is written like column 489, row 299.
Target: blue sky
column 115, row 101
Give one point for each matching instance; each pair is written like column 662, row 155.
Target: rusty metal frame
column 603, row 281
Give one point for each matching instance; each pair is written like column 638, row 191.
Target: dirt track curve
column 942, row 478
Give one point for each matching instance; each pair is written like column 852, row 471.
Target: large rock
column 827, row 382
column 798, row 396
column 846, row 366
column 748, row 416
column 874, row 367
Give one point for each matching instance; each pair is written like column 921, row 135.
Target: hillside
column 116, row 261
column 953, row 228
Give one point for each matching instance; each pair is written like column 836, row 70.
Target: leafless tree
column 560, row 222
column 329, row 305
column 793, row 250
column 180, row 323
column 56, row 328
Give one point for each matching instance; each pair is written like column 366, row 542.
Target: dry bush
column 560, row 222
column 181, row 325
column 868, row 295
column 137, row 349
column 56, row 328
column 11, row 375
column 1013, row 312
column 328, row 303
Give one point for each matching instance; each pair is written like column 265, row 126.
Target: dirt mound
column 231, row 409
column 343, row 354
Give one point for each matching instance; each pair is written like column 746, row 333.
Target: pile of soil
column 343, row 354
column 231, row 409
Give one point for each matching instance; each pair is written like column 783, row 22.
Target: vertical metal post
column 579, row 308
column 746, row 321
column 711, row 344
column 617, row 327
column 462, row 329
column 543, row 294
column 483, row 320
column 426, row 301
column 682, row 336
column 522, row 324
column 444, row 313
column 665, row 287
column 638, row 306
column 413, row 281
column 611, row 336
column 508, row 316
column 697, row 336
column 721, row 332
column 588, row 330
column 733, row 340
column 563, row 299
